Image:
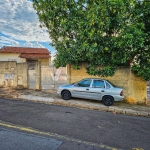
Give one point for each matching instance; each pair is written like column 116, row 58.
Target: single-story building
column 25, row 54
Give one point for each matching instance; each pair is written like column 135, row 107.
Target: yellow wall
column 44, row 61
column 11, row 57
column 134, row 87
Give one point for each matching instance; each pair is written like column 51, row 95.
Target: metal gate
column 51, row 77
column 32, row 79
column 32, row 75
column 148, row 91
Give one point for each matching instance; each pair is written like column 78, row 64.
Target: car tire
column 66, row 95
column 108, row 100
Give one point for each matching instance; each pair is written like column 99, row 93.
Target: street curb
column 89, row 107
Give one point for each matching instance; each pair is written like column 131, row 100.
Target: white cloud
column 7, row 41
column 19, row 21
column 33, row 44
column 4, row 41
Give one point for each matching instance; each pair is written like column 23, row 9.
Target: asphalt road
column 100, row 128
column 13, row 140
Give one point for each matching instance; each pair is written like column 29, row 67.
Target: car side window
column 84, row 83
column 98, row 84
column 107, row 85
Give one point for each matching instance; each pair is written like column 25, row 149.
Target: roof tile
column 9, row 49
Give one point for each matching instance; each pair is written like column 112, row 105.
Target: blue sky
column 19, row 25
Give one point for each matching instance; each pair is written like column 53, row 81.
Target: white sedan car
column 92, row 88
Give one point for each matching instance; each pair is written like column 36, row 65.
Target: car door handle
column 87, row 89
column 102, row 91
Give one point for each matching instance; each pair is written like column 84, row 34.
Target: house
column 25, row 54
column 22, row 67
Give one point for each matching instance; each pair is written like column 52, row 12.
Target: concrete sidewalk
column 51, row 97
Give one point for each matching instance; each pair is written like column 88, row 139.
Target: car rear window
column 107, row 85
column 110, row 83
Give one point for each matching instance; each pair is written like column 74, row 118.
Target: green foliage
column 107, row 33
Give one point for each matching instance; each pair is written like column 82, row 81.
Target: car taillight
column 121, row 93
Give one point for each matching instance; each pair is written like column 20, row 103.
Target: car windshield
column 84, row 83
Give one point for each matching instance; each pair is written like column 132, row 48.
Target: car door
column 81, row 89
column 97, row 89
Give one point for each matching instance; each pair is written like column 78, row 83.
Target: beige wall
column 8, row 73
column 22, row 75
column 13, row 74
column 11, row 57
column 134, row 87
column 45, row 62
column 16, row 75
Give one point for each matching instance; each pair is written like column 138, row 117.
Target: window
column 107, row 85
column 85, row 83
column 98, row 84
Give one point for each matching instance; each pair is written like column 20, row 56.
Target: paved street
column 102, row 129
column 13, row 140
column 51, row 97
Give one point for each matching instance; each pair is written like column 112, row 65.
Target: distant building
column 25, row 54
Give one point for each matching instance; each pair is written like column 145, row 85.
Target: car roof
column 94, row 79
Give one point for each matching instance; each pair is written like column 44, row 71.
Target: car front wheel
column 66, row 95
column 108, row 100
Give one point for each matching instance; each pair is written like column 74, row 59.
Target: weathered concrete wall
column 22, row 77
column 16, row 75
column 13, row 74
column 134, row 87
column 8, row 73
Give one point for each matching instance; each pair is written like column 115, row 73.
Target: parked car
column 92, row 88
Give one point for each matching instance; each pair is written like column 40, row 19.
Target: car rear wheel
column 66, row 95
column 108, row 100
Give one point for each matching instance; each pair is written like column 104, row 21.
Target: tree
column 106, row 33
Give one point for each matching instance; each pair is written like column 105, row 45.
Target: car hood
column 66, row 86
